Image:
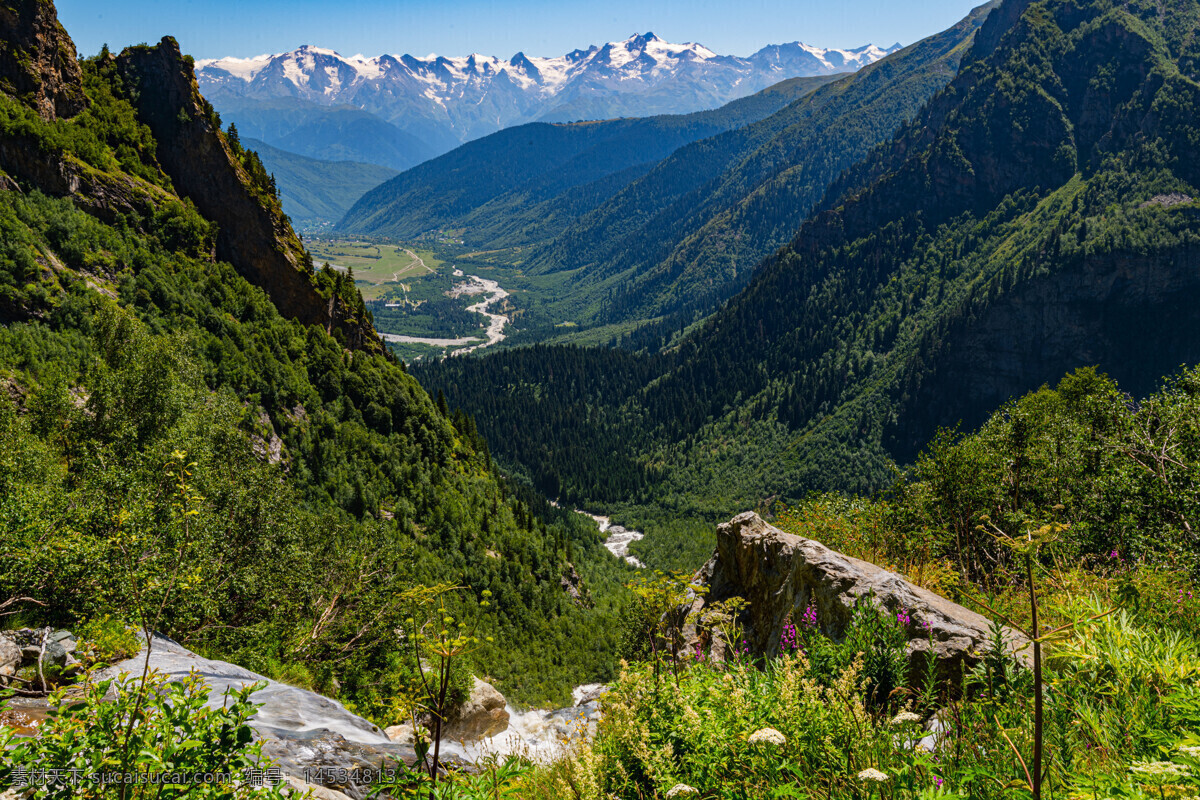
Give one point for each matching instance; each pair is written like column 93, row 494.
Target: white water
column 536, row 734
column 618, row 539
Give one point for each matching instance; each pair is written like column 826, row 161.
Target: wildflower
column 681, row 790
column 809, row 620
column 903, row 618
column 767, row 736
column 787, row 639
column 872, row 774
column 1190, row 752
column 905, row 717
column 1160, row 769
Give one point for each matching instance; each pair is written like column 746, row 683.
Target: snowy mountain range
column 446, row 101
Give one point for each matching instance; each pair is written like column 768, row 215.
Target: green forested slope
column 1047, row 174
column 162, row 422
column 505, row 189
column 315, row 192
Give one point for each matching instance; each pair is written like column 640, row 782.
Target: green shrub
column 107, row 640
column 156, row 730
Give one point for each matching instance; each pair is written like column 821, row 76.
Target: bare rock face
column 313, row 739
column 10, row 659
column 482, row 715
column 37, row 59
column 572, row 584
column 780, row 574
column 253, row 235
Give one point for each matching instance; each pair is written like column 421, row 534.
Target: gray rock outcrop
column 779, row 574
column 313, row 738
column 10, row 658
column 254, row 236
column 38, row 61
column 26, row 647
column 482, row 715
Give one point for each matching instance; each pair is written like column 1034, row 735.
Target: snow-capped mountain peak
column 476, row 94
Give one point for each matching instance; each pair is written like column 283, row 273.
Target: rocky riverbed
column 496, row 322
column 617, row 538
column 492, row 334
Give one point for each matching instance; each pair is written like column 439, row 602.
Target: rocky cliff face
column 37, row 59
column 1137, row 315
column 38, row 67
column 253, row 235
column 779, row 575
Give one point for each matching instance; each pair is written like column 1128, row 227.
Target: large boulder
column 10, row 659
column 483, row 714
column 780, row 574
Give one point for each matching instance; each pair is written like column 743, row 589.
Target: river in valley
column 617, row 538
column 496, row 322
column 467, row 344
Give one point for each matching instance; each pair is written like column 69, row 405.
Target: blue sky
column 214, row 28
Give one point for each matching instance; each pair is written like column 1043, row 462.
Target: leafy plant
column 107, row 640
column 177, row 747
column 438, row 643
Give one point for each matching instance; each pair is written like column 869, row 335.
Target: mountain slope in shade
column 1038, row 215
column 499, row 185
column 316, row 192
column 446, row 101
column 329, row 133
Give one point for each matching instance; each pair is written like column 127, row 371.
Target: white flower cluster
column 1190, row 752
column 682, row 790
column 1160, row 769
column 905, row 717
column 872, row 774
column 767, row 736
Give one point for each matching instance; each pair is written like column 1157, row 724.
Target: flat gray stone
column 284, row 708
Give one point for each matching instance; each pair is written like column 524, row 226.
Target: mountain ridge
column 316, row 192
column 446, row 101
column 539, row 161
